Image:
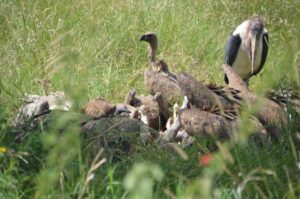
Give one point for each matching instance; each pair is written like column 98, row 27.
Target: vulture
column 208, row 97
column 153, row 109
column 158, row 78
column 271, row 114
column 200, row 123
column 99, row 108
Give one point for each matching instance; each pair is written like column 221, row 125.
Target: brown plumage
column 227, row 95
column 270, row 114
column 158, row 82
column 212, row 112
column 209, row 98
column 200, row 123
column 286, row 98
column 159, row 78
column 98, row 108
column 197, row 93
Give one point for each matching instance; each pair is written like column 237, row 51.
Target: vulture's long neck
column 152, row 52
column 235, row 81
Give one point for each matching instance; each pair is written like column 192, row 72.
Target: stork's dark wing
column 231, row 50
column 265, row 42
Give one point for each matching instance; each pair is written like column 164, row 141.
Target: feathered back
column 197, row 93
column 285, row 98
column 202, row 123
column 99, row 108
column 161, row 82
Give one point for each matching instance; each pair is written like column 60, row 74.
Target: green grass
column 91, row 48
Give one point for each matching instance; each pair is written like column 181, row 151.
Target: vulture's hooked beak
column 143, row 38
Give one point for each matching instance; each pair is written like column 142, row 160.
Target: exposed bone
column 133, row 112
column 172, row 119
column 171, row 133
column 129, row 97
column 184, row 139
column 185, row 103
column 36, row 106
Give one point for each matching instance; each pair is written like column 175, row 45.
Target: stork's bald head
column 256, row 26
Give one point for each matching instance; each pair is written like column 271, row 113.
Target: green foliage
column 139, row 181
column 90, row 49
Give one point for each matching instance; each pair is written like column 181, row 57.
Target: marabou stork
column 247, row 48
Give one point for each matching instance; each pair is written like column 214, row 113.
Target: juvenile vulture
column 247, row 48
column 153, row 109
column 200, row 123
column 98, row 108
column 159, row 78
column 270, row 114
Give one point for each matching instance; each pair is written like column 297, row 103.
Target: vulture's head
column 150, row 37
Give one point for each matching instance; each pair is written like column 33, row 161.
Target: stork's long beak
column 253, row 51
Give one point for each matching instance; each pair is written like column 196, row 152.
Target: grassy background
column 92, row 48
